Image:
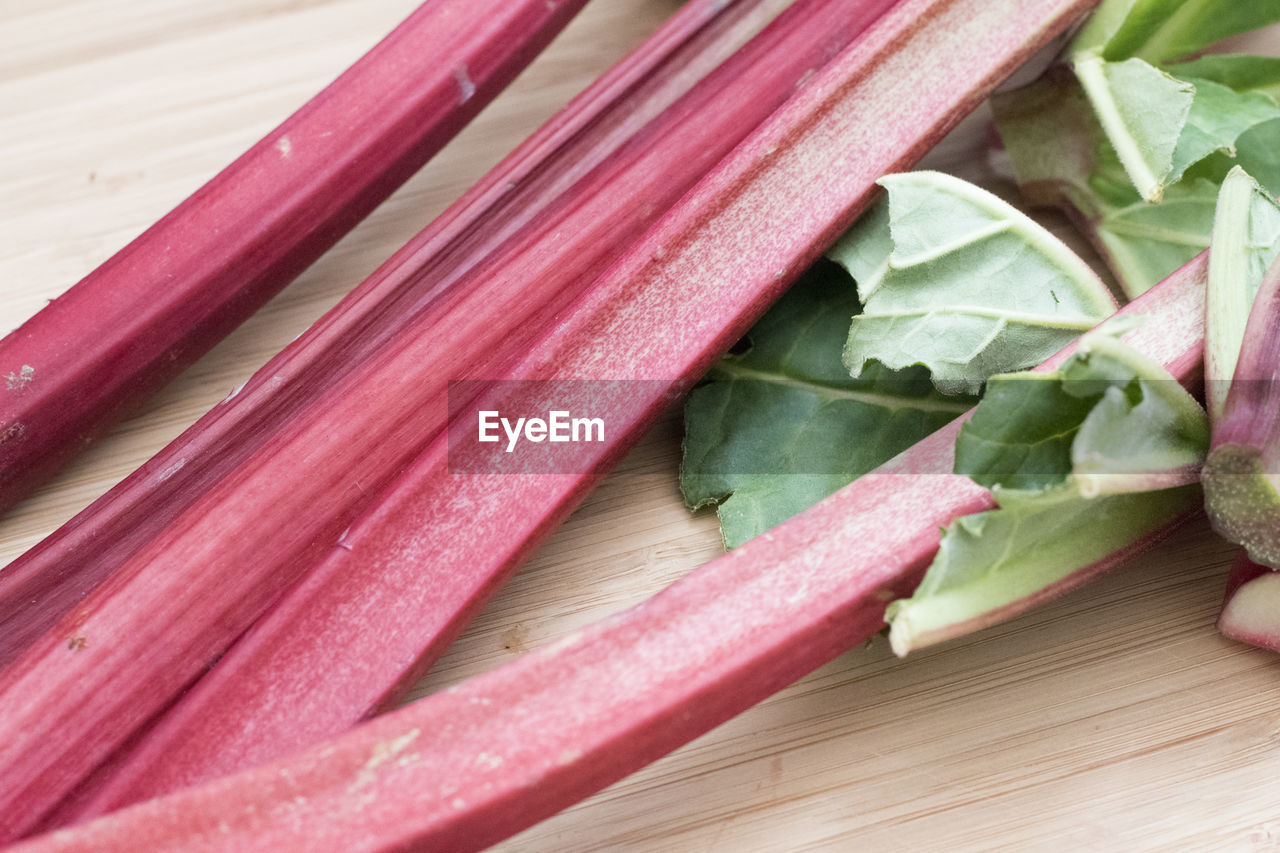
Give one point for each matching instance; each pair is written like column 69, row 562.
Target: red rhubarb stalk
column 1250, row 605
column 428, row 555
column 1240, row 477
column 69, row 563
column 165, row 299
column 479, row 762
column 174, row 606
column 595, row 124
column 1242, row 473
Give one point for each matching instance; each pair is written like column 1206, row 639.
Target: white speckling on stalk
column 21, row 378
column 13, row 431
column 800, row 593
column 489, row 761
column 382, row 752
column 172, row 469
column 285, row 147
column 465, row 87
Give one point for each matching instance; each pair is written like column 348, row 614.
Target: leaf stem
column 833, row 392
column 1089, row 70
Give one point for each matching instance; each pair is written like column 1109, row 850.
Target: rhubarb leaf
column 957, row 280
column 1239, row 72
column 1083, row 461
column 993, row 564
column 1165, row 30
column 1246, row 239
column 1172, row 130
column 1144, row 243
column 779, row 427
column 1142, row 111
column 1060, row 155
column 1159, row 125
column 1218, row 117
column 1108, row 419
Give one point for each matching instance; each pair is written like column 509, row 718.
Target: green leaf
column 1219, row 115
column 1143, row 111
column 1083, row 462
column 1108, row 419
column 1143, row 243
column 1172, row 130
column 992, row 564
column 1160, row 125
column 1246, row 239
column 783, row 425
column 1164, row 30
column 1257, row 152
column 1237, row 71
column 1061, row 156
column 1021, row 434
column 1146, row 434
column 1054, row 141
column 957, row 280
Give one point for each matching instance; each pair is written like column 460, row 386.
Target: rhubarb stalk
column 177, row 603
column 1242, row 351
column 662, row 314
column 1250, row 605
column 69, row 563
column 165, row 299
column 476, row 763
column 1242, row 490
column 599, row 121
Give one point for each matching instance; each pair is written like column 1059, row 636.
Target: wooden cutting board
column 1113, row 719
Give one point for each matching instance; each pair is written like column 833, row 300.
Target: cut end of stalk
column 1251, row 613
column 918, row 624
column 902, row 634
column 1242, row 501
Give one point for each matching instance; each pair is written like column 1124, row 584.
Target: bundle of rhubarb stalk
column 253, row 599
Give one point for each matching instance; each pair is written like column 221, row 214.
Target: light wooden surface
column 1113, row 719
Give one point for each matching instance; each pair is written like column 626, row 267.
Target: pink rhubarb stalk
column 1241, row 475
column 429, row 554
column 1250, row 605
column 165, row 299
column 481, row 761
column 699, row 36
column 173, row 606
column 47, row 581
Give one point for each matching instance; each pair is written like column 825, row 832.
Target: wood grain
column 1112, row 719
